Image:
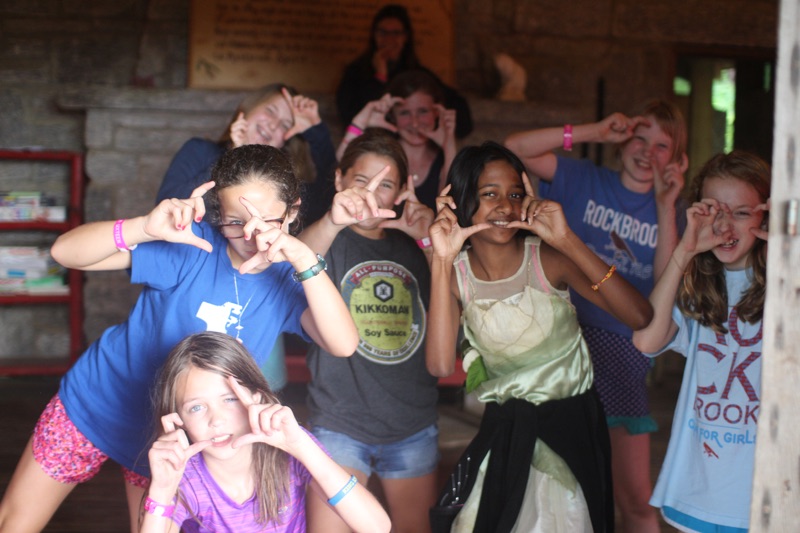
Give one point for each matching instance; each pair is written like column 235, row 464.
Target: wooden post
column 776, row 487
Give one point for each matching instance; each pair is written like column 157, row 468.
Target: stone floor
column 99, row 505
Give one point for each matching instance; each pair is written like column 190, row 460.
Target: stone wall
column 108, row 77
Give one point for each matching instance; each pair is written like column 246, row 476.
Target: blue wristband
column 336, row 498
column 311, row 272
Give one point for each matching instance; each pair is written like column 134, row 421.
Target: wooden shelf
column 33, row 299
column 32, row 365
column 34, row 225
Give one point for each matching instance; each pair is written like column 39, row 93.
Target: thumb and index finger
column 472, row 230
column 375, row 180
column 247, row 399
column 372, row 185
column 197, row 199
column 530, row 196
column 295, row 129
column 409, row 193
column 182, row 224
column 245, row 396
column 444, row 199
column 637, row 121
column 526, row 182
column 173, row 424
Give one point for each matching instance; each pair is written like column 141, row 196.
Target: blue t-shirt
column 617, row 224
column 186, row 290
column 707, row 474
column 190, row 168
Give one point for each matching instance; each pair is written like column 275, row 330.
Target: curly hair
column 253, row 163
column 703, row 295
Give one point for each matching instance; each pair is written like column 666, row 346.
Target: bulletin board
column 246, row 44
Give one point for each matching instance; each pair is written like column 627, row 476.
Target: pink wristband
column 424, row 242
column 355, row 130
column 119, row 242
column 568, row 137
column 158, row 509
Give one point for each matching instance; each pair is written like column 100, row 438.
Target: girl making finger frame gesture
column 231, row 458
column 523, row 352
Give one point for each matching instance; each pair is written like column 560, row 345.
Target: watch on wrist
column 311, row 272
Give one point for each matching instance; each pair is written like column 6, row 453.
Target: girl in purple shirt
column 231, row 458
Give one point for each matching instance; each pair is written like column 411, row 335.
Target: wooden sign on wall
column 245, row 44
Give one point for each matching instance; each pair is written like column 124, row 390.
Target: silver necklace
column 239, row 326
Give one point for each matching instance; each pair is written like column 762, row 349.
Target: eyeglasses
column 235, row 230
column 380, row 32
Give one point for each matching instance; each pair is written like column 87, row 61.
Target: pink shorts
column 65, row 454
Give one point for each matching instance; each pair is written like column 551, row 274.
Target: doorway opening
column 728, row 103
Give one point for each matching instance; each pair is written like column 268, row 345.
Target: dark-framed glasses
column 235, row 230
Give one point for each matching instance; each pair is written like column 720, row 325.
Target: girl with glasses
column 194, row 279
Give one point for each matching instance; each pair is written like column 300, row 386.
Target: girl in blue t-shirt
column 242, row 273
column 231, row 458
column 708, row 305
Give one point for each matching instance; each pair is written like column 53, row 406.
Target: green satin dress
column 523, row 341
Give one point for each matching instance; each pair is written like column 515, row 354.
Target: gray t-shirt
column 383, row 393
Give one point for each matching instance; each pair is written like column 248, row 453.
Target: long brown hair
column 703, row 295
column 222, row 354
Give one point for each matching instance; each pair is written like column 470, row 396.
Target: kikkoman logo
column 383, row 291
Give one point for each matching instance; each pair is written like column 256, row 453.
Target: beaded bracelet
column 336, row 498
column 596, row 286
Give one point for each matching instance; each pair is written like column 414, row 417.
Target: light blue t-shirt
column 617, row 224
column 186, row 290
column 708, row 469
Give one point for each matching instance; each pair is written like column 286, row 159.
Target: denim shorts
column 415, row 456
